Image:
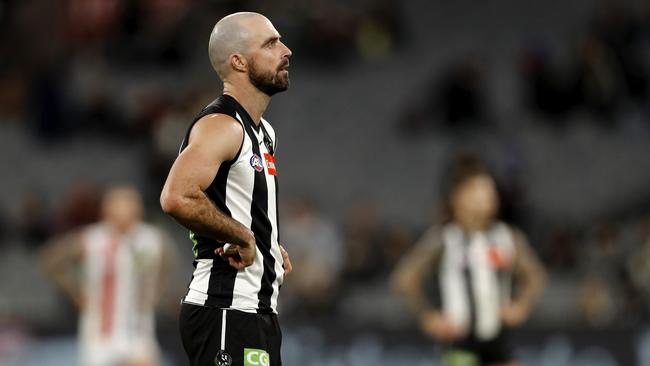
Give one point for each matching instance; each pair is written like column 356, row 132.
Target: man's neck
column 253, row 100
column 472, row 224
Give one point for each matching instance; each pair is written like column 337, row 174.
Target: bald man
column 223, row 189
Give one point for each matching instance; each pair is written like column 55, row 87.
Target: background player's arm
column 530, row 278
column 407, row 279
column 61, row 258
column 165, row 265
column 214, row 139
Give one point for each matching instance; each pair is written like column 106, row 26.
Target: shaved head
column 230, row 35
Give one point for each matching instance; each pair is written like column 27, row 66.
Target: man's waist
column 245, row 304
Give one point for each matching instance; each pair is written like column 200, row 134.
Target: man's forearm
column 417, row 302
column 407, row 282
column 72, row 288
column 529, row 272
column 531, row 287
column 61, row 270
column 200, row 215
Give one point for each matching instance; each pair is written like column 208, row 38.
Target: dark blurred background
column 384, row 94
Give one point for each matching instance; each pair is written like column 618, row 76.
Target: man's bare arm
column 529, row 273
column 214, row 139
column 165, row 264
column 407, row 279
column 61, row 258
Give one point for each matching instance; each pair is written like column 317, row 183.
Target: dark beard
column 268, row 83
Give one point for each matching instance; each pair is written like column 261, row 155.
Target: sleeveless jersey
column 120, row 274
column 244, row 188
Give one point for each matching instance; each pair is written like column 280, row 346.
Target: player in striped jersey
column 475, row 260
column 223, row 188
column 113, row 271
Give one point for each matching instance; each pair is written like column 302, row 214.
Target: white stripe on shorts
column 223, row 330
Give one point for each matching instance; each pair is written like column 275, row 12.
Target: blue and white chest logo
column 256, row 163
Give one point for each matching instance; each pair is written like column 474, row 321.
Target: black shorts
column 216, row 337
column 472, row 351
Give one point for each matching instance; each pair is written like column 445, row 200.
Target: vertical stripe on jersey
column 109, row 287
column 468, row 262
column 201, row 278
column 274, row 216
column 222, row 275
column 261, row 226
column 275, row 244
column 277, row 210
column 247, row 284
column 219, row 186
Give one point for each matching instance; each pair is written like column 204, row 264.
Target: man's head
column 473, row 196
column 122, row 208
column 245, row 47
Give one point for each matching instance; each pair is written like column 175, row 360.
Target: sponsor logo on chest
column 256, row 163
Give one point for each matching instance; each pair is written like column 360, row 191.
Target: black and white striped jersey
column 245, row 189
column 473, row 273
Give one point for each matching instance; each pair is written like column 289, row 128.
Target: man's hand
column 238, row 256
column 286, row 262
column 439, row 327
column 514, row 314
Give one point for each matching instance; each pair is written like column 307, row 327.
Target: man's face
column 268, row 58
column 477, row 197
column 122, row 208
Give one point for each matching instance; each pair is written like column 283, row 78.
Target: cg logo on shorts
column 256, row 357
column 222, row 359
column 256, row 163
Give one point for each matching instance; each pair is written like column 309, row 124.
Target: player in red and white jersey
column 112, row 271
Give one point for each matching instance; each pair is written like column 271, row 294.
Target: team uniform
column 474, row 274
column 119, row 280
column 230, row 316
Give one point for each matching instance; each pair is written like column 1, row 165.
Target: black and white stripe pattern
column 248, row 195
column 472, row 289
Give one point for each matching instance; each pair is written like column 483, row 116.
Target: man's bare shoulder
column 216, row 125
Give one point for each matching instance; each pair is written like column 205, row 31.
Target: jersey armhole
column 229, row 162
column 241, row 144
column 274, row 139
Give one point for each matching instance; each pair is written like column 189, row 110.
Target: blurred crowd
column 601, row 71
column 119, row 69
column 69, row 65
column 606, row 73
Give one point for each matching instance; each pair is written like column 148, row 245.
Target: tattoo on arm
column 528, row 271
column 408, row 278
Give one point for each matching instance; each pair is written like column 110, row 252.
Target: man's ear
column 238, row 62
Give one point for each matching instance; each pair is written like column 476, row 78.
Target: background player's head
column 472, row 194
column 122, row 207
column 246, row 48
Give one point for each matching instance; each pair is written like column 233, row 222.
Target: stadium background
column 384, row 94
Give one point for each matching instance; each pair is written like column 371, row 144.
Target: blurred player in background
column 486, row 275
column 113, row 271
column 223, row 187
